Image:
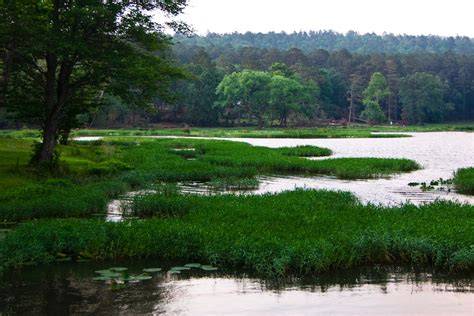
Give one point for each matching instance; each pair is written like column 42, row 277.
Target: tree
column 377, row 89
column 247, row 90
column 375, row 92
column 422, row 97
column 198, row 94
column 373, row 112
column 61, row 54
column 287, row 96
column 354, row 94
column 392, row 90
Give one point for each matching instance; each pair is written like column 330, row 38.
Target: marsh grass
column 102, row 170
column 464, row 180
column 298, row 232
column 305, row 151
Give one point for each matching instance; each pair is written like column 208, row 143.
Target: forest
column 299, row 79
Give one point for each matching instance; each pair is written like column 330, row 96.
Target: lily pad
column 208, row 268
column 180, row 268
column 141, row 277
column 152, row 270
column 174, row 272
column 118, row 269
column 108, row 273
column 193, row 265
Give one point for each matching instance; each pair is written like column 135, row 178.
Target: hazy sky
column 439, row 17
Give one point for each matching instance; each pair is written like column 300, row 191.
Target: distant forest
column 332, row 41
column 306, row 79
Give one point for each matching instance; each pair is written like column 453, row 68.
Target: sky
column 414, row 17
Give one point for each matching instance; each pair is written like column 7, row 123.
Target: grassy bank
column 92, row 173
column 353, row 131
column 295, row 232
column 464, row 180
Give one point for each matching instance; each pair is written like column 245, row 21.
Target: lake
column 66, row 288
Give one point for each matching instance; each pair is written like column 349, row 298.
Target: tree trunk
column 50, row 130
column 260, row 121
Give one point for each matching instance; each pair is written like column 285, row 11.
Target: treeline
column 235, row 86
column 331, row 41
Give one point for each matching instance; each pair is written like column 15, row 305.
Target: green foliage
column 464, row 180
column 246, row 91
column 373, row 113
column 422, row 96
column 66, row 54
column 299, row 232
column 108, row 167
column 304, row 151
column 377, row 90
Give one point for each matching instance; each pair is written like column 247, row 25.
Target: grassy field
column 464, row 180
column 354, row 131
column 297, row 232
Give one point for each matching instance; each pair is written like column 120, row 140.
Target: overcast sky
column 438, row 17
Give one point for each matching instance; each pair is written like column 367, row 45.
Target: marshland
column 146, row 168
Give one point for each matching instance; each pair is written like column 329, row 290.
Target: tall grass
column 464, row 180
column 294, row 232
column 98, row 171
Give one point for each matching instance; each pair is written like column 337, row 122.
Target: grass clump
column 464, row 180
column 305, row 151
column 296, row 232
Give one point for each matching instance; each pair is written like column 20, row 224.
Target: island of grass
column 93, row 173
column 464, row 180
column 298, row 232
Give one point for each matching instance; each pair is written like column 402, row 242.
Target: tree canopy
column 60, row 56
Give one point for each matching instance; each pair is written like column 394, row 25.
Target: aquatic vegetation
column 300, row 232
column 304, row 151
column 464, row 180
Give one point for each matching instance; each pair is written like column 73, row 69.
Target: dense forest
column 330, row 41
column 304, row 79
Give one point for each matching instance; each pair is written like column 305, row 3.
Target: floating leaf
column 118, row 269
column 193, row 265
column 109, row 273
column 152, row 270
column 61, row 255
column 208, row 268
column 141, row 277
column 174, row 272
column 180, row 268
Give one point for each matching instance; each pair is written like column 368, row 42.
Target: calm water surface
column 63, row 289
column 440, row 154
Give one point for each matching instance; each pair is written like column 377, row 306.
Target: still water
column 440, row 154
column 62, row 289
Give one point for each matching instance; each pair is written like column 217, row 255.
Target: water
column 69, row 289
column 440, row 154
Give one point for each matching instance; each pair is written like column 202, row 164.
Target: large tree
column 422, row 97
column 247, row 91
column 58, row 57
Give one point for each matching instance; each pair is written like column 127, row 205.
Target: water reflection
column 440, row 154
column 69, row 289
